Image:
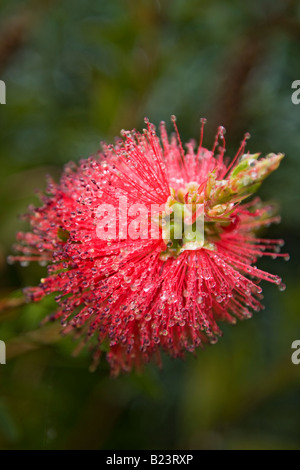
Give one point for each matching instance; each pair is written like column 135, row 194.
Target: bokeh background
column 78, row 72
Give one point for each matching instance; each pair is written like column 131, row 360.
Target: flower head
column 150, row 247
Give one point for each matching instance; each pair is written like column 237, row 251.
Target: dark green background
column 76, row 73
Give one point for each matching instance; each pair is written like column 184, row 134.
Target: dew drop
column 24, row 264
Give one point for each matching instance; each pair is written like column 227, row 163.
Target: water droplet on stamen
column 24, row 264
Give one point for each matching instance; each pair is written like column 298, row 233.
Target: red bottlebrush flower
column 136, row 293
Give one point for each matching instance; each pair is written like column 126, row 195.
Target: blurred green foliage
column 76, row 73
